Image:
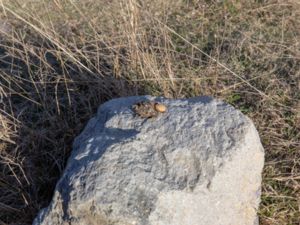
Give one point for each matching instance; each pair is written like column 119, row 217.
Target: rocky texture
column 199, row 163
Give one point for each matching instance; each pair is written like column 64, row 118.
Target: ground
column 61, row 59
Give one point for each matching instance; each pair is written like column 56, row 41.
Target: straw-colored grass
column 60, row 59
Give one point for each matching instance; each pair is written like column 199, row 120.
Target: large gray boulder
column 199, row 163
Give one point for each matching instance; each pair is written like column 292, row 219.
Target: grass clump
column 61, row 59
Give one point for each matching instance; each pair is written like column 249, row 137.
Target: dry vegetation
column 60, row 59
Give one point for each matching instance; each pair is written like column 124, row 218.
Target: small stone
column 160, row 107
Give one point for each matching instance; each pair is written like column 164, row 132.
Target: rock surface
column 199, row 163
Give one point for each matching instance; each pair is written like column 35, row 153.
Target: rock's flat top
column 198, row 163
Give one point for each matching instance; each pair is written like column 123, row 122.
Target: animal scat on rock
column 149, row 109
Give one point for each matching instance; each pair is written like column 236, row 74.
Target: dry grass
column 60, row 59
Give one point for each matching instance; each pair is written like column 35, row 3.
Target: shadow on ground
column 49, row 100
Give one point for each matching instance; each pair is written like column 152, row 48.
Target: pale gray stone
column 199, row 163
